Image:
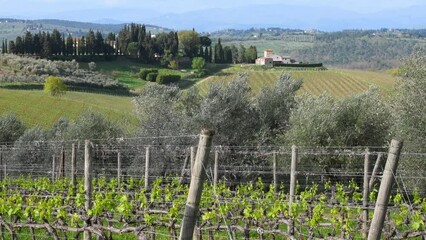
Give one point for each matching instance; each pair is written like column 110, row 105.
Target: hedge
column 143, row 73
column 152, row 76
column 167, row 78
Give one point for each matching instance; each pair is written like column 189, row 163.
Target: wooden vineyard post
column 365, row 194
column 274, row 171
column 375, row 170
column 53, row 167
column 147, row 156
column 185, row 164
column 192, row 158
column 385, row 190
column 215, row 168
column 73, row 166
column 119, row 168
column 1, row 162
column 294, row 158
column 87, row 184
column 196, row 186
column 62, row 164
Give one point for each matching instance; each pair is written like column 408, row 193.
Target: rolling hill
column 336, row 82
column 11, row 28
column 37, row 108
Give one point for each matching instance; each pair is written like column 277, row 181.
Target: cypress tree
column 37, row 44
column 2, row 47
column 206, row 55
column 218, row 52
column 201, row 52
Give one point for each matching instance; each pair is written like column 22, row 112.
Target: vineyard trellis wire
column 239, row 166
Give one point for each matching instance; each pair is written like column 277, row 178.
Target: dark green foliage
column 198, row 64
column 251, row 54
column 356, row 50
column 218, row 52
column 152, row 76
column 227, row 55
column 189, row 43
column 143, row 73
column 167, row 78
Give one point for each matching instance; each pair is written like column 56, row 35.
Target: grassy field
column 336, row 82
column 38, row 108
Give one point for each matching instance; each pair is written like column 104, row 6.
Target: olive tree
column 410, row 111
column 228, row 109
column 410, row 103
column 273, row 106
column 11, row 128
column 360, row 120
column 164, row 123
column 32, row 151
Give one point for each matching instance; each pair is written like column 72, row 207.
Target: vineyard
column 139, row 191
column 337, row 83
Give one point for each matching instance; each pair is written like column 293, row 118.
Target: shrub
column 11, row 128
column 198, row 63
column 143, row 73
column 167, row 78
column 92, row 66
column 173, row 64
column 152, row 76
column 54, row 86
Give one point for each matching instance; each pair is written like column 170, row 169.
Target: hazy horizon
column 328, row 15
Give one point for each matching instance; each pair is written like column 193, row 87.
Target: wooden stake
column 375, row 170
column 185, row 164
column 294, row 158
column 215, row 168
column 1, row 161
column 192, row 158
column 62, row 164
column 119, row 169
column 196, row 186
column 73, row 166
column 385, row 189
column 147, row 156
column 274, row 171
column 87, row 183
column 53, row 167
column 365, row 194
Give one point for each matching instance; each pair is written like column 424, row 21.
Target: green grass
column 336, row 82
column 126, row 72
column 37, row 108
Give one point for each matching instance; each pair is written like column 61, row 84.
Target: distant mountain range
column 287, row 16
column 260, row 15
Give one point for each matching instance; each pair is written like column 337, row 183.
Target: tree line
column 134, row 41
column 360, row 50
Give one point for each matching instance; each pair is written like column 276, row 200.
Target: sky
column 42, row 8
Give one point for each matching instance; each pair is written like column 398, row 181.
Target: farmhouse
column 270, row 59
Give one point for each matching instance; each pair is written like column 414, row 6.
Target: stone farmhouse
column 270, row 59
